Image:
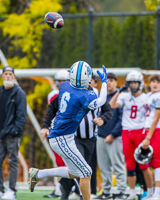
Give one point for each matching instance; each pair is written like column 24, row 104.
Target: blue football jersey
column 74, row 104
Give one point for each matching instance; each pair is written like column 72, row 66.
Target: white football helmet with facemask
column 137, row 77
column 62, row 75
column 143, row 156
column 80, row 74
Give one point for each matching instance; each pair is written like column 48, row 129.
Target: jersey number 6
column 65, row 99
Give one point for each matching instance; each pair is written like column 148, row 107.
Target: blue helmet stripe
column 79, row 69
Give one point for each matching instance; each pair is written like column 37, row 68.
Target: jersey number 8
column 133, row 112
column 65, row 99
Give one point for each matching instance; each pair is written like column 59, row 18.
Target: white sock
column 157, row 192
column 132, row 191
column 150, row 191
column 58, row 172
column 57, row 190
column 157, row 174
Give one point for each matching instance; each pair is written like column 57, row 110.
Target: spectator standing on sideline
column 12, row 120
column 109, row 148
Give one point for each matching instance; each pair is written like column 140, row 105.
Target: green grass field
column 37, row 195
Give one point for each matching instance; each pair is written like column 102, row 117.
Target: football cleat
column 33, row 179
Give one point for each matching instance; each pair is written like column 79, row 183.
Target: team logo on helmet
column 89, row 71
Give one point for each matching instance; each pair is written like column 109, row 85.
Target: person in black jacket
column 12, row 120
column 85, row 145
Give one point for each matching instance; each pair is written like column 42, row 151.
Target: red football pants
column 130, row 141
column 155, row 143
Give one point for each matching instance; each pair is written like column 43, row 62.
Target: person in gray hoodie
column 109, row 148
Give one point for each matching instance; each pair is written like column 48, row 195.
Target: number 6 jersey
column 133, row 110
column 74, row 104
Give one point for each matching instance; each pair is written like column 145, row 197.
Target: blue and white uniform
column 74, row 104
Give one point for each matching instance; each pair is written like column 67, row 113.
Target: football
column 54, row 20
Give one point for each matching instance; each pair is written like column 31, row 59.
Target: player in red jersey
column 152, row 126
column 133, row 120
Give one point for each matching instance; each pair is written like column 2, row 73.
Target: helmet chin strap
column 135, row 90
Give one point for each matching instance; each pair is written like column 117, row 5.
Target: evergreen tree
column 81, row 40
column 110, row 44
column 98, row 30
column 148, row 43
column 129, row 42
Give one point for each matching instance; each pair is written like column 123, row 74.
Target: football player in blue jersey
column 75, row 102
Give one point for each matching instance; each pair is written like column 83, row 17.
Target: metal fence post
column 90, row 37
column 157, row 39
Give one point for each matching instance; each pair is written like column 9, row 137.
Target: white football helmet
column 135, row 76
column 143, row 156
column 62, row 75
column 80, row 74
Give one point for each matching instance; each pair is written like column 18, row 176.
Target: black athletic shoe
column 105, row 196
column 65, row 193
column 52, row 195
column 120, row 196
column 81, row 198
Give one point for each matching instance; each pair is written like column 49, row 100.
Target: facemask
column 135, row 90
column 8, row 83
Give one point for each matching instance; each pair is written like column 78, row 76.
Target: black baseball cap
column 95, row 78
column 111, row 76
column 5, row 69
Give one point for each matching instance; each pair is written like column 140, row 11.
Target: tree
column 110, row 44
column 151, row 4
column 131, row 42
column 26, row 31
column 71, row 41
column 98, row 30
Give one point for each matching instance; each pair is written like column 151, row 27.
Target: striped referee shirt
column 87, row 128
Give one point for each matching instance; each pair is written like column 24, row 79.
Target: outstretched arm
column 103, row 93
column 113, row 102
column 98, row 102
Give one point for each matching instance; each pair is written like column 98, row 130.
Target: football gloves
column 123, row 88
column 103, row 76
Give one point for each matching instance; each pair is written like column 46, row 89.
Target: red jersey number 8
column 133, row 112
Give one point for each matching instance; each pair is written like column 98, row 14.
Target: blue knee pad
column 131, row 173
